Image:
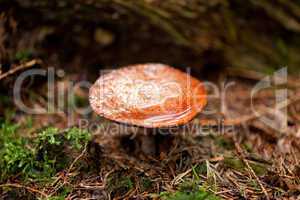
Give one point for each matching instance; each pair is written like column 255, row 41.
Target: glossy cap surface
column 148, row 95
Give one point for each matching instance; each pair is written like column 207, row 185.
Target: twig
column 20, row 67
column 246, row 118
column 24, row 187
column 68, row 172
column 179, row 177
column 224, row 191
column 242, row 156
column 93, row 187
column 76, row 159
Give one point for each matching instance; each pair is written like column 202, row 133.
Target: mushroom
column 149, row 96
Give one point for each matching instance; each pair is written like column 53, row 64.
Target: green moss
column 78, row 137
column 36, row 159
column 237, row 164
column 49, row 135
column 259, row 169
column 15, row 155
column 195, row 195
column 189, row 186
column 224, row 143
column 248, row 147
column 234, row 163
column 201, row 168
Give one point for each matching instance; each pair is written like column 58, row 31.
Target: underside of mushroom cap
column 148, row 95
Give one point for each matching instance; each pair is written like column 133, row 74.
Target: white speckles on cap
column 148, row 95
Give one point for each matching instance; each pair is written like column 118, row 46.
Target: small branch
column 242, row 157
column 19, row 68
column 68, row 172
column 93, row 187
column 24, row 187
column 76, row 159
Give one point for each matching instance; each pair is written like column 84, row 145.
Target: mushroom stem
column 154, row 142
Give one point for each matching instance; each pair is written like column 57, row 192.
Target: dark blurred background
column 260, row 35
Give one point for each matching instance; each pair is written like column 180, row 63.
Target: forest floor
column 236, row 157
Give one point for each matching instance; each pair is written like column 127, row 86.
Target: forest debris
column 242, row 156
column 30, row 189
column 179, row 177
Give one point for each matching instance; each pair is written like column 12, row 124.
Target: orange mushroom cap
column 148, row 95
